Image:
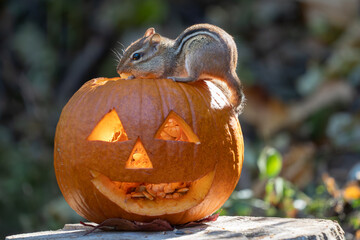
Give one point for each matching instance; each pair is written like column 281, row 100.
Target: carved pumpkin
column 147, row 148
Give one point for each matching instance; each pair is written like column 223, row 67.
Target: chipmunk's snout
column 124, row 72
column 126, row 75
column 120, row 71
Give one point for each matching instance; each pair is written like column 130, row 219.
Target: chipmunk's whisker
column 122, row 48
column 118, row 56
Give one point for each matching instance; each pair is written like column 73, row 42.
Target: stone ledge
column 224, row 228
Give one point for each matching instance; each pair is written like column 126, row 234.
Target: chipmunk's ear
column 149, row 32
column 155, row 39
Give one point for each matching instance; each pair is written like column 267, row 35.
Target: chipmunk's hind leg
column 193, row 71
column 192, row 77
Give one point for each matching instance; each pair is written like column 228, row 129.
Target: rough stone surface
column 224, row 228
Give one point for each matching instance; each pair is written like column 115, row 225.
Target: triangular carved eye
column 138, row 157
column 175, row 128
column 109, row 129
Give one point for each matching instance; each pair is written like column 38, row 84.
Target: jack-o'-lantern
column 147, row 148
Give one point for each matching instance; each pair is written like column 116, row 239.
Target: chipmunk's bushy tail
column 237, row 96
column 232, row 89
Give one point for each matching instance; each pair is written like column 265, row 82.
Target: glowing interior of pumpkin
column 138, row 157
column 109, row 129
column 175, row 128
column 148, row 198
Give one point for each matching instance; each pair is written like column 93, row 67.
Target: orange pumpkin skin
column 142, row 106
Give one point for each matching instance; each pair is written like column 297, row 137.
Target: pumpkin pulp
column 153, row 204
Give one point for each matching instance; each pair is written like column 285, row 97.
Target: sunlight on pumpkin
column 99, row 82
column 175, row 128
column 138, row 157
column 109, row 129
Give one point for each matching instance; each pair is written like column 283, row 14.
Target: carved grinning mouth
column 153, row 199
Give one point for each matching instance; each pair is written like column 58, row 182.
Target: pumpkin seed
column 159, row 187
column 168, row 189
column 137, row 194
column 148, row 196
column 137, row 156
column 150, row 191
column 182, row 190
column 161, row 194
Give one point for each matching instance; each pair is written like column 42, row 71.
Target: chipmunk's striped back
column 212, row 31
column 182, row 39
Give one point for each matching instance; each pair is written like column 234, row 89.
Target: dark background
column 299, row 62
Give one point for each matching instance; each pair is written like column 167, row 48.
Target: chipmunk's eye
column 136, row 56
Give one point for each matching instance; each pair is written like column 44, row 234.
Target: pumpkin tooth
column 169, row 196
column 182, row 190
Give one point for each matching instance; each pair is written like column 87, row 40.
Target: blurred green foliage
column 269, row 163
column 283, row 199
column 299, row 62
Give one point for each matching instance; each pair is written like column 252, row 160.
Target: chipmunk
column 200, row 52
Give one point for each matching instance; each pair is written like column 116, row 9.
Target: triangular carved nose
column 138, row 158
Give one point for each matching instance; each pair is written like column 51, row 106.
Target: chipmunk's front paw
column 172, row 78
